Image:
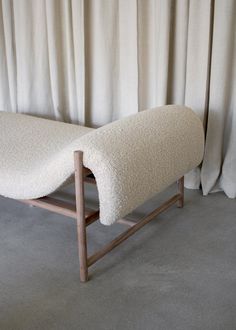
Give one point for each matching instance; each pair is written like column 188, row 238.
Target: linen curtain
column 94, row 61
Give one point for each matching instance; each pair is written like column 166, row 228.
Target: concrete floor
column 178, row 272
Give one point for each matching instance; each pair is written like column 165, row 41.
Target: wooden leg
column 180, row 184
column 122, row 237
column 80, row 211
column 85, row 218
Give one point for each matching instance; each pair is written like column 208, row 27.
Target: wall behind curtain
column 94, row 61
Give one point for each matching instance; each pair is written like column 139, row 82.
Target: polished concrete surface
column 178, row 272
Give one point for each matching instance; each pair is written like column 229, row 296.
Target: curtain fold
column 94, row 61
column 219, row 165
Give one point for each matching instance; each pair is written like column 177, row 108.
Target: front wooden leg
column 180, row 183
column 80, row 211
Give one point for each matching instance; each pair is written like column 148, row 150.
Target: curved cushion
column 138, row 156
column 36, row 155
column 132, row 159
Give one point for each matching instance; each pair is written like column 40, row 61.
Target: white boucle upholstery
column 36, row 155
column 132, row 158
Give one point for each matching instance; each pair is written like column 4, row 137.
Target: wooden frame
column 85, row 217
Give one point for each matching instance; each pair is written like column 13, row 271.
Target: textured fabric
column 219, row 165
column 36, row 155
column 132, row 158
column 95, row 61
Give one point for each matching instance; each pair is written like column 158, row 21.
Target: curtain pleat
column 94, row 61
column 8, row 73
column 219, row 165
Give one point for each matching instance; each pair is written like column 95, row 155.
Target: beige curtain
column 94, row 61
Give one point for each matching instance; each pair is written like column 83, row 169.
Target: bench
column 130, row 160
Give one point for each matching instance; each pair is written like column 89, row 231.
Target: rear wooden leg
column 80, row 210
column 180, row 183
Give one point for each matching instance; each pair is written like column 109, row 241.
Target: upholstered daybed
column 130, row 160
